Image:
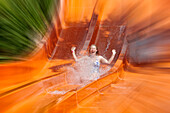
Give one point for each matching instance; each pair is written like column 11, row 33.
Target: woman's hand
column 73, row 49
column 114, row 51
column 73, row 53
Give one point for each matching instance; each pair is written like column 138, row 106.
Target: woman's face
column 93, row 49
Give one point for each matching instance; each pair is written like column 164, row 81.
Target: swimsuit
column 95, row 70
column 96, row 66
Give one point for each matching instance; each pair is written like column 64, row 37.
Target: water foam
column 83, row 72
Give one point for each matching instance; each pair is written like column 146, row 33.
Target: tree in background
column 21, row 23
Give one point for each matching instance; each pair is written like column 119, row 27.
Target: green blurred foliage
column 22, row 22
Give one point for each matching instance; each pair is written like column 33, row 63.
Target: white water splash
column 57, row 92
column 82, row 72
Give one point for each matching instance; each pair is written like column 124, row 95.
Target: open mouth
column 92, row 51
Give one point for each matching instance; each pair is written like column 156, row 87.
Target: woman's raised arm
column 103, row 60
column 73, row 53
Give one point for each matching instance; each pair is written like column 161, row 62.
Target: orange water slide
column 38, row 84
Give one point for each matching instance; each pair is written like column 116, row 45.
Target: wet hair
column 97, row 52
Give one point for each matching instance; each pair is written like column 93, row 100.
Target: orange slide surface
column 38, row 84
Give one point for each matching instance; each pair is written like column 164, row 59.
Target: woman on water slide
column 96, row 59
